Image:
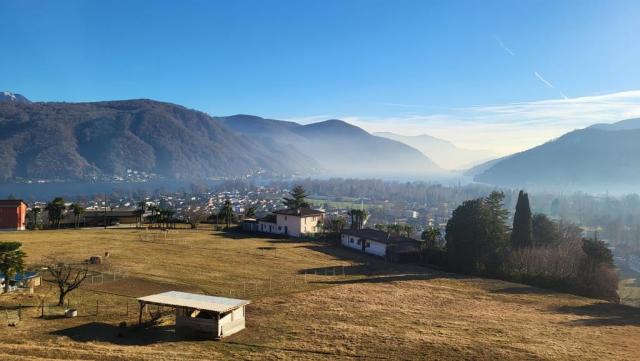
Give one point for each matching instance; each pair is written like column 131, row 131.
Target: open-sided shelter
column 201, row 315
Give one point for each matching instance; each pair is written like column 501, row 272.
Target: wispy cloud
column 504, row 47
column 513, row 127
column 545, row 81
column 548, row 83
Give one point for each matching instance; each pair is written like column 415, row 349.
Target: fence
column 102, row 276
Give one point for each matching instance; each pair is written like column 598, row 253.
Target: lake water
column 45, row 191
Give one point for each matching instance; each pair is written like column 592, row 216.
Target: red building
column 13, row 215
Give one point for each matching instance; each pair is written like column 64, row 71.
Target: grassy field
column 309, row 301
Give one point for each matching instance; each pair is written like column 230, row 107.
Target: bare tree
column 194, row 216
column 66, row 275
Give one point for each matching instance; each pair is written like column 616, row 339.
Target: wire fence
column 108, row 306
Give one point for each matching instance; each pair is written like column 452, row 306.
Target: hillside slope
column 446, row 154
column 599, row 158
column 339, row 147
column 85, row 140
column 309, row 301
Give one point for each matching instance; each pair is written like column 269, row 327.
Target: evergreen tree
column 498, row 229
column 358, row 216
column 55, row 210
column 250, row 212
column 468, row 237
column 545, row 232
column 297, row 199
column 226, row 212
column 430, row 236
column 522, row 233
column 11, row 261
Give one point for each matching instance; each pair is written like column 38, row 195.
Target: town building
column 381, row 244
column 299, row 222
column 13, row 215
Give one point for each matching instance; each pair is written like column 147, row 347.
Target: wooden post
column 218, row 324
column 142, row 305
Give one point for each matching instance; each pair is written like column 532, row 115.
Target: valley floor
column 309, row 302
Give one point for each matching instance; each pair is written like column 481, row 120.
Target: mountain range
column 602, row 157
column 444, row 153
column 88, row 140
column 340, row 148
column 85, row 141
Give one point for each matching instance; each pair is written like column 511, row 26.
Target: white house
column 298, row 222
column 378, row 243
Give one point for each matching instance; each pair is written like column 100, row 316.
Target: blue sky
column 440, row 67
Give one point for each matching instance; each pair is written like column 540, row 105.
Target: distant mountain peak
column 443, row 152
column 6, row 96
column 336, row 126
column 627, row 124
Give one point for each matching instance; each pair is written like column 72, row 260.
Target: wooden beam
column 142, row 306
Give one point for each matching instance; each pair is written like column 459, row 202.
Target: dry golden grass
column 373, row 311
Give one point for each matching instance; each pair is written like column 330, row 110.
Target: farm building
column 201, row 315
column 298, row 222
column 24, row 280
column 380, row 243
column 13, row 214
column 250, row 225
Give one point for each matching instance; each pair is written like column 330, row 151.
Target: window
column 279, row 228
column 359, row 242
column 368, row 244
column 351, row 240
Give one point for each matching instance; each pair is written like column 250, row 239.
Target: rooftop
column 194, row 300
column 378, row 236
column 11, row 202
column 270, row 218
column 300, row 212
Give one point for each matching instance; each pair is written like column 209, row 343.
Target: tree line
column 535, row 250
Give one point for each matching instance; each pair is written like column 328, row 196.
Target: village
column 209, row 316
column 125, row 277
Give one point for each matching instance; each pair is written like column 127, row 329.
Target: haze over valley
column 320, row 180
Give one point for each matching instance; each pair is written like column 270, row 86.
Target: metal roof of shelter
column 194, row 300
column 21, row 276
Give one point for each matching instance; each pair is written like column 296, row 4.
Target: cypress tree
column 522, row 233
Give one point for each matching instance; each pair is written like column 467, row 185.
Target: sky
column 498, row 75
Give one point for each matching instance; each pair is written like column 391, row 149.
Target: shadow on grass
column 523, row 290
column 388, row 278
column 603, row 314
column 104, row 332
column 237, row 234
